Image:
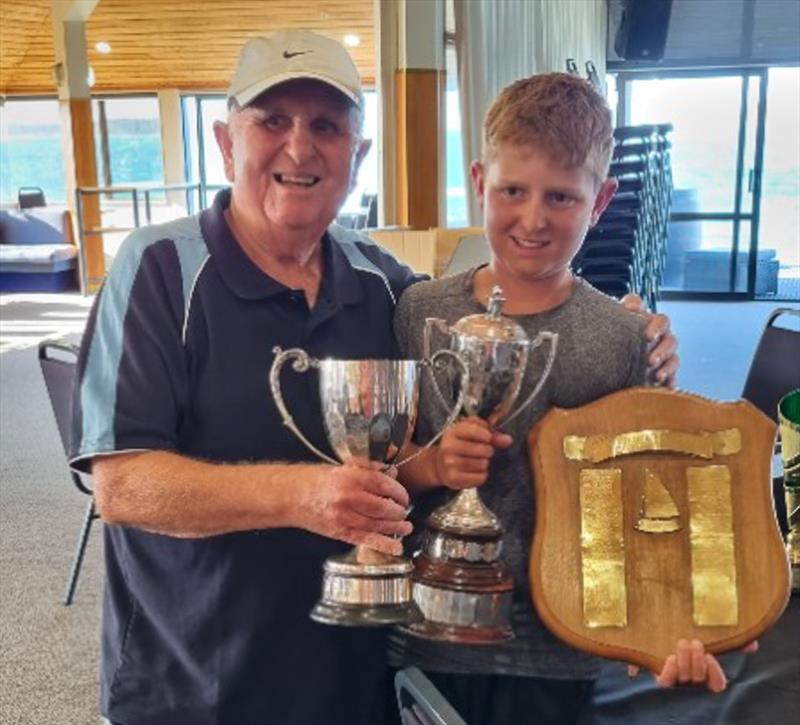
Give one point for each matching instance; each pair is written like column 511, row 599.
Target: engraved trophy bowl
column 459, row 582
column 369, row 409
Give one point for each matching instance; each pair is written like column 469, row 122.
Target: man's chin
column 299, row 220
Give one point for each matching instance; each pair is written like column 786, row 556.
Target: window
column 779, row 227
column 133, row 137
column 456, row 187
column 30, row 149
column 735, row 218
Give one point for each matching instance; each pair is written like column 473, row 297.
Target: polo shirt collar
column 340, row 284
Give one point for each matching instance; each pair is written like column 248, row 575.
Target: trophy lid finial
column 491, row 325
column 494, row 307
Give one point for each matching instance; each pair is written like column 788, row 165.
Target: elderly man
column 219, row 519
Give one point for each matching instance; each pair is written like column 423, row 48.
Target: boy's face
column 536, row 211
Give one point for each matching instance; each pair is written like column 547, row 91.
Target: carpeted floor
column 48, row 652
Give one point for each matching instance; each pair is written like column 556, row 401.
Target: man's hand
column 354, row 503
column 662, row 344
column 465, row 451
column 692, row 665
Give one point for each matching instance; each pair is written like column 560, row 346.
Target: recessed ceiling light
column 351, row 41
column 102, row 47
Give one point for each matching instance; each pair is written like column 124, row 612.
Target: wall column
column 71, row 73
column 169, row 111
column 411, row 42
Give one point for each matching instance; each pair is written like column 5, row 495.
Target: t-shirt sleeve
column 132, row 371
column 402, row 326
column 637, row 371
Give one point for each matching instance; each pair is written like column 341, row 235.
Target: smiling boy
column 542, row 183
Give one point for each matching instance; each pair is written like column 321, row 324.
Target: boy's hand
column 662, row 344
column 691, row 664
column 463, row 454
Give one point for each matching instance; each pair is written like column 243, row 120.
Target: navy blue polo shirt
column 176, row 357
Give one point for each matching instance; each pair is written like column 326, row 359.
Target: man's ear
column 476, row 171
column 607, row 190
column 223, row 135
column 361, row 152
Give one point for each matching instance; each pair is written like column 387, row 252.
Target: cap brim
column 251, row 93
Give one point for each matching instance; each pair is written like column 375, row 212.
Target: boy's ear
column 607, row 190
column 476, row 171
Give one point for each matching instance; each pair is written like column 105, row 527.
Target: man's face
column 536, row 211
column 292, row 156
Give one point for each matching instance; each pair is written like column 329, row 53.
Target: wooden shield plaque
column 655, row 522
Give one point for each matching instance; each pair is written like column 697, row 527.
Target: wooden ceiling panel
column 169, row 43
column 26, row 43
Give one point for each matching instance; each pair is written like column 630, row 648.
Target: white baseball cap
column 291, row 54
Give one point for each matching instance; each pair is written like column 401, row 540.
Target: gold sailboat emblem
column 658, row 512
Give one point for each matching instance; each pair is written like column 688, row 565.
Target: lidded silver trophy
column 459, row 582
column 369, row 410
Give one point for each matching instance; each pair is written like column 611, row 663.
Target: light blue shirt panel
column 99, row 384
column 347, row 239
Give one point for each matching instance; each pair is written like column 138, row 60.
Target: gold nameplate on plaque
column 654, row 523
column 602, row 549
column 711, row 541
column 597, row 448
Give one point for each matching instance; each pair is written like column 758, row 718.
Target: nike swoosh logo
column 287, row 54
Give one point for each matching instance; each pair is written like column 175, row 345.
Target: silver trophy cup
column 459, row 582
column 369, row 410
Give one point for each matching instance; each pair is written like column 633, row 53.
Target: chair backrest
column 420, row 703
column 472, row 250
column 30, row 196
column 59, row 362
column 775, row 369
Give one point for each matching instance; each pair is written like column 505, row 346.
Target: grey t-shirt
column 601, row 348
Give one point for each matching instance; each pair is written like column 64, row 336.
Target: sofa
column 37, row 251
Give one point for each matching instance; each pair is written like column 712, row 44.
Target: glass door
column 779, row 224
column 712, row 224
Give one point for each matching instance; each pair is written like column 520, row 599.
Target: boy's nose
column 534, row 216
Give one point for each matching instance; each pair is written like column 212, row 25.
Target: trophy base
column 365, row 588
column 462, row 602
column 365, row 615
column 440, row 632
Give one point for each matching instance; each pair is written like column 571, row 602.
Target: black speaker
column 642, row 32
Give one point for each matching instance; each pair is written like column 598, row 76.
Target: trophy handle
column 434, row 361
column 301, row 364
column 427, row 331
column 538, row 340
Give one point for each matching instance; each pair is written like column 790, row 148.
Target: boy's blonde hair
column 557, row 113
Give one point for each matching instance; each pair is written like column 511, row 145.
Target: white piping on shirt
column 190, row 298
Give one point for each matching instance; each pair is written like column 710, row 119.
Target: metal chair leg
column 90, row 516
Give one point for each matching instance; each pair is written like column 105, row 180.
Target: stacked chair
column 625, row 252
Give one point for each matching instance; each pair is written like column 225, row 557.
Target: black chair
column 775, row 369
column 30, row 196
column 420, row 703
column 369, row 203
column 58, row 362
